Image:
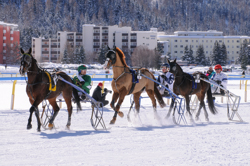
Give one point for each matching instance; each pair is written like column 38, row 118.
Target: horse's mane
column 122, row 56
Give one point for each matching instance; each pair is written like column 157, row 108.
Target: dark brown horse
column 122, row 83
column 39, row 88
column 185, row 85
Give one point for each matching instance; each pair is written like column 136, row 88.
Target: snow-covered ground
column 217, row 142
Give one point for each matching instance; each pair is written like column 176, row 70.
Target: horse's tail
column 158, row 96
column 77, row 99
column 210, row 101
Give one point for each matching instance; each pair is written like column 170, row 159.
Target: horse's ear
column 29, row 51
column 175, row 61
column 114, row 48
column 21, row 50
column 168, row 61
column 108, row 48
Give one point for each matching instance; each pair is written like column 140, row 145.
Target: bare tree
column 91, row 57
column 143, row 57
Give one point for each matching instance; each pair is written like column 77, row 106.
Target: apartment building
column 50, row 50
column 180, row 39
column 92, row 38
column 10, row 36
column 123, row 37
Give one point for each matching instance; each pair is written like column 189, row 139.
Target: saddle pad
column 50, row 83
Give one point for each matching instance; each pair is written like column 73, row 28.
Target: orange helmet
column 218, row 66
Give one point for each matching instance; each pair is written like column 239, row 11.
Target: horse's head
column 173, row 67
column 110, row 58
column 26, row 61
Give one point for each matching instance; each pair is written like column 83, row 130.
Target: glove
column 218, row 82
column 82, row 82
column 107, row 91
column 164, row 77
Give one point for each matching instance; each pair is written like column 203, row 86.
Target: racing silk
column 87, row 79
column 220, row 77
column 169, row 79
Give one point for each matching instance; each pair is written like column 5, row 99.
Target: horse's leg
column 56, row 110
column 137, row 101
column 32, row 109
column 170, row 108
column 152, row 97
column 69, row 108
column 199, row 109
column 29, row 125
column 188, row 107
column 202, row 104
column 112, row 105
column 114, row 99
column 122, row 94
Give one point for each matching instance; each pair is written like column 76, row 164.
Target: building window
column 175, row 46
column 186, row 40
column 238, row 46
column 96, row 44
column 228, row 41
column 124, row 43
column 124, row 37
column 96, row 31
column 196, row 41
column 4, row 51
column 175, row 51
column 220, row 41
column 175, row 40
column 133, row 37
column 4, row 38
column 11, row 45
column 181, row 52
column 232, row 41
column 4, row 44
column 228, row 52
column 181, row 46
column 237, row 41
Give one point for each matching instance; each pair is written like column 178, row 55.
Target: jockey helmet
column 218, row 66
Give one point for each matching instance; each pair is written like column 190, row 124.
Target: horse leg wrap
column 112, row 104
column 119, row 112
column 52, row 119
column 38, row 118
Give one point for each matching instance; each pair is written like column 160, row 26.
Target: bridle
column 26, row 58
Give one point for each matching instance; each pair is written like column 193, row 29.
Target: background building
column 10, row 37
column 180, row 39
column 92, row 38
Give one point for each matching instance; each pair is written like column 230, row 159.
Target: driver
column 83, row 81
column 220, row 78
column 166, row 79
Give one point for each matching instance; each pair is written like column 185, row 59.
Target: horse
column 122, row 84
column 39, row 88
column 184, row 85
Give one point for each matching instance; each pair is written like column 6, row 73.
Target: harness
column 194, row 84
column 40, row 71
column 134, row 78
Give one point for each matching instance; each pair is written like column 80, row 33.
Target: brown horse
column 184, row 85
column 122, row 83
column 38, row 89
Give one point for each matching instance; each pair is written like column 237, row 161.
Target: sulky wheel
column 96, row 119
column 47, row 113
column 178, row 113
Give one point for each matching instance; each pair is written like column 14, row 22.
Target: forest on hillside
column 44, row 18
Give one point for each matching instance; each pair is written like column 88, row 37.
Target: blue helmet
column 166, row 65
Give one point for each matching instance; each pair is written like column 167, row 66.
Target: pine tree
column 185, row 57
column 223, row 55
column 157, row 59
column 65, row 59
column 103, row 51
column 200, row 56
column 244, row 62
column 191, row 56
column 216, row 53
column 82, row 56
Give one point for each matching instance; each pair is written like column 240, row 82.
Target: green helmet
column 82, row 67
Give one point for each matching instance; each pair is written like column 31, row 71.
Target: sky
column 146, row 142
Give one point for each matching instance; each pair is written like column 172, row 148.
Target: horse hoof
column 196, row 118
column 120, row 114
column 113, row 120
column 38, row 130
column 207, row 119
column 67, row 127
column 50, row 126
column 29, row 126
